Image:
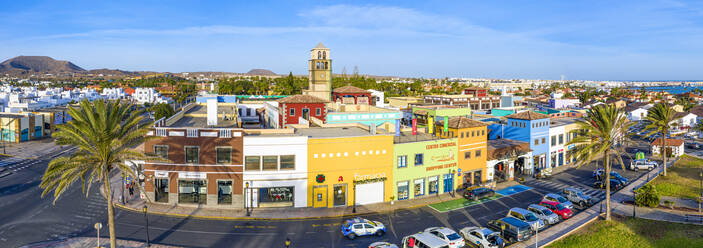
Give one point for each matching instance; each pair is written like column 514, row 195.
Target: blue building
column 527, row 126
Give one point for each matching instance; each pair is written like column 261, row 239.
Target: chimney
column 212, row 112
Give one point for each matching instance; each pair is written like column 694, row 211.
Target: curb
column 572, row 230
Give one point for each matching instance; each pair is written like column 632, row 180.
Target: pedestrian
column 287, row 243
column 131, row 190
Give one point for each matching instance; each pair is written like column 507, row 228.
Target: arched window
column 326, row 66
column 324, row 55
column 319, row 54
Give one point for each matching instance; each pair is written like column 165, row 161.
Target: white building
column 379, row 95
column 113, row 93
column 147, row 95
column 674, row 147
column 275, row 169
column 557, row 140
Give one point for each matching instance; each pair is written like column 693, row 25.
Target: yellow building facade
column 343, row 171
column 472, row 150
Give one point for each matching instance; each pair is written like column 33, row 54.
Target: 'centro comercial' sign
column 358, row 177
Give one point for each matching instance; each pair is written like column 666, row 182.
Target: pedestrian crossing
column 546, row 186
column 11, row 165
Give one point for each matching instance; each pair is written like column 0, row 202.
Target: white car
column 449, row 235
column 481, row 237
column 382, row 245
column 544, row 214
column 642, row 164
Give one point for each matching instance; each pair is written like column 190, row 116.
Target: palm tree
column 601, row 132
column 660, row 118
column 104, row 133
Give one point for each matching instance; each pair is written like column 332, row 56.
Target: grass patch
column 682, row 179
column 628, row 232
column 461, row 203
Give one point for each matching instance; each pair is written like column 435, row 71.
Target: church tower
column 320, row 73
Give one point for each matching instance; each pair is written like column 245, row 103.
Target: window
column 192, row 154
column 419, row 159
column 462, row 135
column 478, row 153
column 561, row 139
column 252, row 163
column 249, row 112
column 192, row 191
column 473, row 133
column 161, row 151
column 554, row 140
column 403, row 190
column 544, row 140
column 224, row 155
column 292, row 112
column 287, row 162
column 402, row 161
column 318, row 111
column 276, row 196
column 419, row 187
column 536, row 141
column 467, row 155
column 270, row 163
column 433, row 185
column 224, row 192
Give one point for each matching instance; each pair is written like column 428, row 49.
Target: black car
column 511, row 228
column 693, row 145
column 614, row 184
column 478, row 193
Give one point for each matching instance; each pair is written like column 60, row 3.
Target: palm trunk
column 664, row 153
column 110, row 211
column 606, row 164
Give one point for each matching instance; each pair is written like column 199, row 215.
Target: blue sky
column 595, row 40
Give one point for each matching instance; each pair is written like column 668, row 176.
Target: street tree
column 601, row 132
column 104, row 133
column 661, row 118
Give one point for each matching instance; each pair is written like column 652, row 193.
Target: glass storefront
column 477, row 177
column 433, row 185
column 419, row 187
column 276, row 196
column 192, row 191
column 161, row 190
column 403, row 191
column 340, row 195
column 224, row 192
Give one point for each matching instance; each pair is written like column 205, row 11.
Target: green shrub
column 648, row 196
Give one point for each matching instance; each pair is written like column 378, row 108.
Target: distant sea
column 670, row 89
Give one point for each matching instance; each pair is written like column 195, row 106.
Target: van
column 526, row 216
column 424, row 240
column 511, row 229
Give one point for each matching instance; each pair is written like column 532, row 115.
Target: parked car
column 424, row 240
column 481, row 237
column 614, row 184
column 544, row 214
column 526, row 216
column 449, row 235
column 640, row 164
column 577, row 196
column 356, row 227
column 598, row 174
column 560, row 199
column 382, row 245
column 557, row 208
column 511, row 229
column 478, row 193
column 693, row 145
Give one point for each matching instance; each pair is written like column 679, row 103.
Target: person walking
column 287, row 243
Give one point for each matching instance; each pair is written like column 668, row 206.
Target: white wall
column 280, row 145
column 556, row 131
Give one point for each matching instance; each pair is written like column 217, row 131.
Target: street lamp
column 354, row 207
column 146, row 217
column 700, row 198
column 246, row 206
column 634, row 203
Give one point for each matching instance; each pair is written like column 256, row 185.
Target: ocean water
column 670, row 89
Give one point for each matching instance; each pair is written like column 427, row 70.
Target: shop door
column 319, row 197
column 339, row 193
column 369, row 193
column 448, row 182
column 477, row 178
column 25, row 135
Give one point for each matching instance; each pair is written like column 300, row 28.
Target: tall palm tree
column 601, row 132
column 104, row 133
column 660, row 118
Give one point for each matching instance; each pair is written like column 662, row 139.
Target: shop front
column 343, row 171
column 425, row 168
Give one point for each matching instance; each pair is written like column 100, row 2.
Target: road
column 27, row 218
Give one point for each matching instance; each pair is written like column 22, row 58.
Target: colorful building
column 352, row 95
column 527, row 126
column 472, row 136
column 293, row 109
column 424, row 165
column 427, row 114
column 347, row 166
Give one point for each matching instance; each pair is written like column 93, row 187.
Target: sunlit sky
column 590, row 40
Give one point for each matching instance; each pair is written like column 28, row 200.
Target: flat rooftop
column 330, row 132
column 562, row 121
column 407, row 137
column 197, row 117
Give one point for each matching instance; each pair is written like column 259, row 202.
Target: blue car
column 356, row 227
column 613, row 175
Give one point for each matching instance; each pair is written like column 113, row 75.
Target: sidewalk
column 134, row 203
column 29, row 149
column 83, row 242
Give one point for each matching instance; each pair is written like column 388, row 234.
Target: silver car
column 544, row 214
column 560, row 199
column 526, row 216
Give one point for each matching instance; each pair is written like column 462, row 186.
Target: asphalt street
column 27, row 218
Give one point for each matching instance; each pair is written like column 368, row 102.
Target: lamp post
column 146, row 218
column 700, row 198
column 354, row 207
column 97, row 226
column 248, row 195
column 634, row 203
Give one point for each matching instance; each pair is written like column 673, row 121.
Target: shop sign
column 437, row 167
column 340, row 179
column 192, row 175
column 358, row 177
column 443, row 145
column 444, row 157
column 160, row 173
column 320, row 178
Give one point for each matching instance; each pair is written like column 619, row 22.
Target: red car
column 558, row 209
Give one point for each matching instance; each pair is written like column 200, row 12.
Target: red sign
column 340, row 179
column 414, row 126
